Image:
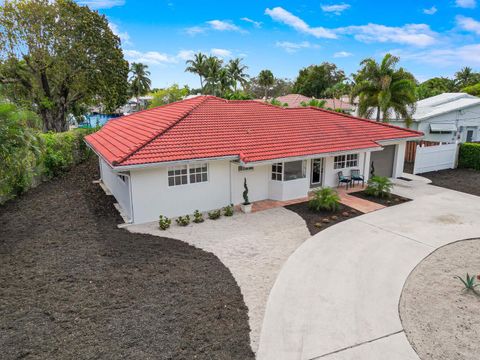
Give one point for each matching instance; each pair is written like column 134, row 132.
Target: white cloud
column 410, row 34
column 123, row 35
column 149, row 57
column 292, row 47
column 469, row 24
column 186, row 54
column 257, row 24
column 223, row 53
column 223, row 25
column 281, row 15
column 194, row 30
column 443, row 57
column 102, row 4
column 430, row 11
column 337, row 9
column 342, row 54
column 467, row 4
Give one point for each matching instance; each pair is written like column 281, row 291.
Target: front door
column 316, row 178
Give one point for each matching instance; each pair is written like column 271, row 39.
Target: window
column 245, row 168
column 198, row 173
column 187, row 174
column 177, row 175
column 122, row 177
column 345, row 161
column 277, row 171
column 294, row 170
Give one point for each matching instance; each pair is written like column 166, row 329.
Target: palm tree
column 266, row 79
column 237, row 72
column 213, row 65
column 198, row 66
column 384, row 89
column 464, row 77
column 225, row 81
column 139, row 80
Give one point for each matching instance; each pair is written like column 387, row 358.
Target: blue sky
column 433, row 38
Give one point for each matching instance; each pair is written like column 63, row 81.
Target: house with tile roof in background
column 296, row 100
column 447, row 118
column 195, row 154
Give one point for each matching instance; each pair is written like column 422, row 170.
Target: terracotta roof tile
column 208, row 127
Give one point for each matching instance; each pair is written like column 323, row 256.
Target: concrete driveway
column 254, row 247
column 337, row 295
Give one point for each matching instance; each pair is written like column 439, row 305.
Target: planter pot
column 246, row 208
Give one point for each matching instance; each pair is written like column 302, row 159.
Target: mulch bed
column 318, row 221
column 75, row 286
column 392, row 200
column 464, row 180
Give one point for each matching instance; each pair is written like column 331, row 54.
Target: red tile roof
column 210, row 127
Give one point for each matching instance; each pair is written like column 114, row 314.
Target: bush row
column 54, row 154
column 469, row 156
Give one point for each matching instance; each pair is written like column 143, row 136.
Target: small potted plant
column 246, row 206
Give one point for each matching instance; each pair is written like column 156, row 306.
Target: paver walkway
column 253, row 246
column 337, row 295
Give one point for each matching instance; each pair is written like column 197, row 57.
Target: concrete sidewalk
column 337, row 295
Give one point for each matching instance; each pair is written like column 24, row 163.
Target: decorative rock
column 396, row 200
column 345, row 213
column 318, row 225
column 326, row 220
column 388, row 202
column 334, row 217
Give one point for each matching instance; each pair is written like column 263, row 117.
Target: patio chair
column 355, row 176
column 343, row 179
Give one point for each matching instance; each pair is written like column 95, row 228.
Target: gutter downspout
column 230, row 181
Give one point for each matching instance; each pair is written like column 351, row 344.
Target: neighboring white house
column 447, row 118
column 196, row 153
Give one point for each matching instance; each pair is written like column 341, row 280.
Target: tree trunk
column 378, row 113
column 266, row 93
column 54, row 119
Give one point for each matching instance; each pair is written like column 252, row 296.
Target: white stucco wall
column 153, row 197
column 331, row 174
column 257, row 182
column 118, row 187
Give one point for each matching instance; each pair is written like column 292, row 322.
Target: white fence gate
column 433, row 158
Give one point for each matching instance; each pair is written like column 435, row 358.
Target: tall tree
column 139, row 80
column 464, row 77
column 316, row 79
column 237, row 73
column 168, row 95
column 266, row 80
column 225, row 81
column 384, row 89
column 58, row 57
column 198, row 66
column 213, row 65
column 435, row 86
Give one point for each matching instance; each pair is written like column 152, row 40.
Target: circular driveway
column 337, row 295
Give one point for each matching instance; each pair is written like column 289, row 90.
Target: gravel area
column 74, row 286
column 253, row 246
column 464, row 180
column 441, row 320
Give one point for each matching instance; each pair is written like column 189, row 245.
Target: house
column 196, row 153
column 447, row 117
column 296, row 100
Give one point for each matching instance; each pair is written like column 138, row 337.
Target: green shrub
column 228, row 210
column 325, row 199
column 198, row 217
column 164, row 222
column 469, row 156
column 214, row 215
column 379, row 186
column 183, row 220
column 468, row 282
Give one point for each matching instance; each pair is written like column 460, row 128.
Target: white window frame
column 279, row 175
column 188, row 170
column 277, row 172
column 345, row 161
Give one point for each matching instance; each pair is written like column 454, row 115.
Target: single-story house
column 296, row 100
column 447, row 118
column 196, row 153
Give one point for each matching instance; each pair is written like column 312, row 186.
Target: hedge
column 469, row 156
column 58, row 153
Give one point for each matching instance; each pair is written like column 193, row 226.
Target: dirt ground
column 464, row 180
column 440, row 319
column 312, row 217
column 76, row 286
column 392, row 200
